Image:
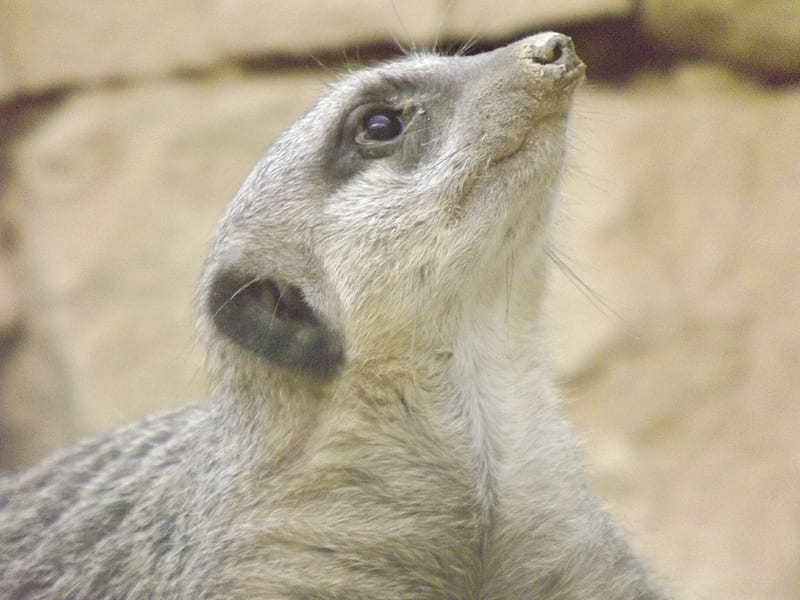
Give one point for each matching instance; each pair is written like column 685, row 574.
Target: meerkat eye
column 382, row 125
column 373, row 130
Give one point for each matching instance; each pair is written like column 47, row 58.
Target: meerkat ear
column 273, row 320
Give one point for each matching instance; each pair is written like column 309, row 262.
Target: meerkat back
column 382, row 422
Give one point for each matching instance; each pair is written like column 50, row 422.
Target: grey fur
column 384, row 423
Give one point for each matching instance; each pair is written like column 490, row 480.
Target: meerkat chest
column 389, row 509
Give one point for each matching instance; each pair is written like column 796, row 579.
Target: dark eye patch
column 382, row 121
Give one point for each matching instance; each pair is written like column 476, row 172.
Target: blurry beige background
column 126, row 127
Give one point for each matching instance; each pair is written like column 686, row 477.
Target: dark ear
column 274, row 321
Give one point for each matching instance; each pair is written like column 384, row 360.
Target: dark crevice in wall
column 616, row 49
column 10, row 341
column 17, row 116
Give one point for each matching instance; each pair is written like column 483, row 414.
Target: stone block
column 477, row 18
column 758, row 36
column 45, row 44
column 251, row 27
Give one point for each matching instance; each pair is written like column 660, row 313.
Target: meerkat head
column 402, row 192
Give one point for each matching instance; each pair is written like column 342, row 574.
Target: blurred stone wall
column 126, row 127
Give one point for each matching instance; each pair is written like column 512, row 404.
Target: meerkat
column 383, row 421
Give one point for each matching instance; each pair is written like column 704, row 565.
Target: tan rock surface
column 35, row 413
column 10, row 287
column 682, row 215
column 253, row 27
column 8, row 86
column 469, row 18
column 45, row 44
column 764, row 36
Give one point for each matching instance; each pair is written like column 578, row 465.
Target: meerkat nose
column 550, row 48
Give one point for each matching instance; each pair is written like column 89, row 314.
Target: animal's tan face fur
column 410, row 191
